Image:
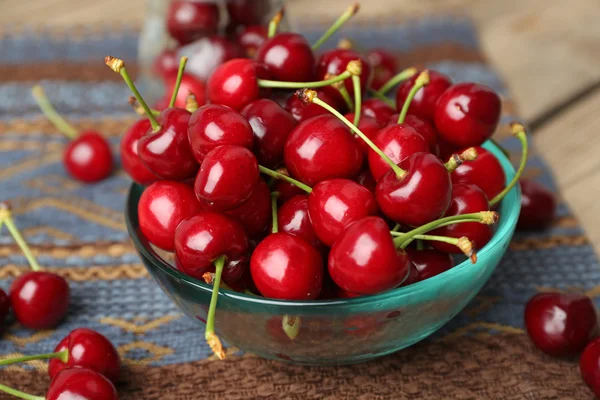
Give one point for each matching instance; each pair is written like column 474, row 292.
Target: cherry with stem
column 400, row 77
column 209, row 334
column 283, row 177
column 351, row 11
column 182, row 63
column 421, row 81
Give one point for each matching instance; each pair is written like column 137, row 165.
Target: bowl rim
column 505, row 229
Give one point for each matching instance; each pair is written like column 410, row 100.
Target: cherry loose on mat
column 589, row 365
column 81, row 384
column 4, row 307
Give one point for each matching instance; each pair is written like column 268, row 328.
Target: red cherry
column 235, row 83
column 88, row 157
column 271, row 125
column 467, row 114
column 4, row 307
column 250, row 38
column 560, row 324
column 302, row 111
column 227, row 177
column 167, row 152
column 87, row 349
column 589, row 365
column 365, row 178
column 81, row 384
column 398, row 142
column 40, row 300
column 286, row 191
column 538, row 206
column 132, row 164
column 162, row 206
column 378, row 109
column 364, row 259
column 413, row 276
column 485, row 172
column 166, row 63
column 426, row 98
column 293, row 218
column 429, row 263
column 200, row 239
column 289, row 58
column 248, row 12
column 214, row 125
column 322, row 148
column 384, row 66
column 369, row 126
column 255, row 213
column 334, row 204
column 286, row 267
column 466, row 199
column 424, row 127
column 190, row 20
column 446, row 149
column 206, row 54
column 334, row 62
column 422, row 195
column 189, row 84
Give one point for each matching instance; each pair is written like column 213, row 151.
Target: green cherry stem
column 422, row 80
column 50, row 112
column 353, row 9
column 265, row 83
column 345, row 95
column 6, row 217
column 456, row 160
column 118, row 65
column 61, row 355
column 518, row 130
column 182, row 63
column 400, row 77
column 138, row 109
column 274, row 23
column 381, row 97
column 291, row 326
column 283, row 177
column 274, row 197
column 395, row 228
column 463, row 243
column 211, row 338
column 310, row 96
column 357, row 99
column 19, row 394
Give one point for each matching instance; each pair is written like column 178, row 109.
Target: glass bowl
column 341, row 331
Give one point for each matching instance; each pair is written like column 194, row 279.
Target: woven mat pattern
column 78, row 231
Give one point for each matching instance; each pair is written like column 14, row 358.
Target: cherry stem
column 396, row 227
column 311, row 96
column 357, row 99
column 283, row 177
column 209, row 278
column 456, row 160
column 299, row 85
column 421, row 81
column 6, row 218
column 420, row 245
column 274, row 23
column 182, row 63
column 275, row 222
column 381, row 97
column 61, row 355
column 50, row 112
column 211, row 338
column 19, row 394
column 463, row 243
column 291, row 326
column 191, row 103
column 502, row 148
column 396, row 79
column 353, row 9
column 118, row 66
column 138, row 109
column 518, row 130
column 345, row 95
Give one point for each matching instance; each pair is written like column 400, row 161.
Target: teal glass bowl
column 340, row 331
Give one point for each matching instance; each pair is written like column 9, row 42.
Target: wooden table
column 547, row 50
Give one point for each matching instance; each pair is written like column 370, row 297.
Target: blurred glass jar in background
column 208, row 32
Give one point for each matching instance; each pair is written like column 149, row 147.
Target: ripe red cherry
column 485, row 172
column 422, row 195
column 334, row 62
column 248, row 12
column 364, row 259
column 88, row 157
column 429, row 262
column 285, row 266
column 132, row 164
column 250, row 38
column 322, row 148
column 302, row 111
column 560, row 324
column 227, row 177
column 206, row 54
column 271, row 125
column 334, row 204
column 235, row 83
column 467, row 114
column 426, row 98
column 255, row 213
column 81, row 384
column 40, row 300
column 4, row 307
column 167, row 152
column 166, row 63
column 190, row 20
column 377, row 109
column 365, row 178
column 369, row 126
column 293, row 218
column 384, row 66
column 87, row 349
column 398, row 142
column 214, row 125
column 413, row 276
column 466, row 199
column 200, row 239
column 189, row 84
column 538, row 206
column 589, row 365
column 424, row 127
column 289, row 58
column 162, row 206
